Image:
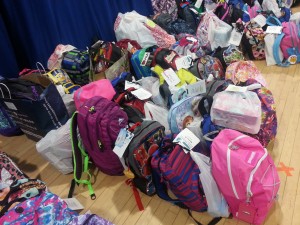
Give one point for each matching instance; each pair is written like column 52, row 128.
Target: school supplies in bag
column 35, row 105
column 147, row 139
column 77, row 65
column 237, row 110
column 245, row 174
column 289, row 43
column 101, row 88
column 56, row 148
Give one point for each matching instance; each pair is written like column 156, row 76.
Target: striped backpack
column 173, row 169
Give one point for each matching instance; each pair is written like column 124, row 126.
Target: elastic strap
column 78, row 152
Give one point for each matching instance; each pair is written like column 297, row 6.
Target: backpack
column 141, row 62
column 181, row 114
column 268, row 127
column 241, row 71
column 99, row 122
column 147, row 139
column 289, row 43
column 245, row 174
column 206, row 65
column 188, row 13
column 9, row 171
column 228, row 55
column 7, row 126
column 165, row 6
column 253, row 41
column 77, row 65
column 173, row 169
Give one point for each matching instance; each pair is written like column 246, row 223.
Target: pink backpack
column 245, row 174
column 102, row 88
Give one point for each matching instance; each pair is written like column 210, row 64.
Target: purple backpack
column 99, row 121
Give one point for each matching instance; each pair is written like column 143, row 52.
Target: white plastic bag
column 217, row 205
column 269, row 42
column 237, row 110
column 131, row 25
column 157, row 113
column 56, row 148
column 219, row 33
column 54, row 62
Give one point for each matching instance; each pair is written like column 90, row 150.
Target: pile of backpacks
column 176, row 104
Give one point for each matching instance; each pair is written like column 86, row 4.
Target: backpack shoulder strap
column 276, row 47
column 78, row 152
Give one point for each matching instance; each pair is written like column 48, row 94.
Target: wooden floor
column 116, row 203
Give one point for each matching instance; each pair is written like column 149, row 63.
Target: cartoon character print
column 144, row 152
column 210, row 65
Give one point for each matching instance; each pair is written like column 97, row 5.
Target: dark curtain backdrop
column 31, row 29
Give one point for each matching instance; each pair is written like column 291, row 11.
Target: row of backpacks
column 164, row 89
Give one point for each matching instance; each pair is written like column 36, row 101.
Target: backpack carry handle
column 78, row 151
column 201, row 106
column 6, row 89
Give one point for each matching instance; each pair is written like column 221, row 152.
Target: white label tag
column 184, row 62
column 274, row 30
column 142, row 94
column 236, row 88
column 145, row 59
column 235, row 37
column 122, row 142
column 129, row 84
column 171, row 77
column 170, row 57
column 11, row 105
column 187, row 139
column 260, row 20
column 191, row 39
column 196, row 88
column 73, row 203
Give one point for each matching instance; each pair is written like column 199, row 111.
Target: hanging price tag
column 196, row 88
column 123, row 140
column 171, row 77
column 187, row 139
column 235, row 37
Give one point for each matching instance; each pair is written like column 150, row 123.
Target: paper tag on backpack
column 196, row 88
column 234, row 88
column 187, row 139
column 235, row 37
column 73, row 203
column 260, row 20
column 274, row 30
column 141, row 94
column 145, row 59
column 184, row 62
column 123, row 140
column 171, row 77
column 129, row 84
